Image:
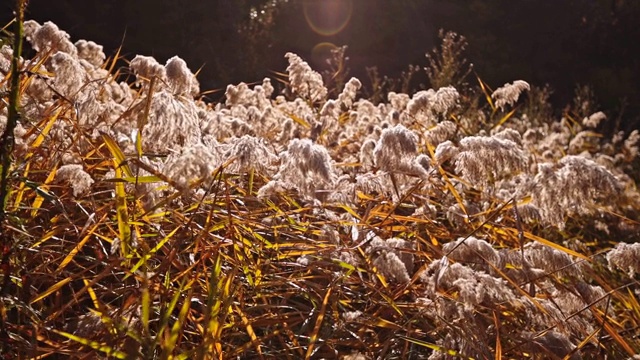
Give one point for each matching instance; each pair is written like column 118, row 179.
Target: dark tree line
column 563, row 42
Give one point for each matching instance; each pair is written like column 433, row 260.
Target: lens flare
column 328, row 17
column 321, row 52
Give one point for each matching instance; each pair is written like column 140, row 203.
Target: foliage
column 149, row 224
column 447, row 66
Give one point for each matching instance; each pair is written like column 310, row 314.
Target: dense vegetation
column 300, row 220
column 564, row 43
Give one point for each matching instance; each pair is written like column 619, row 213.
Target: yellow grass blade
column 122, row 214
column 434, row 347
column 155, row 249
column 633, row 303
column 145, row 305
column 142, row 120
column 350, row 211
column 295, row 254
column 584, row 342
column 250, row 332
column 93, row 344
column 37, row 202
column 166, row 316
column 299, row 120
column 9, row 24
column 22, row 187
column 316, row 328
column 383, row 323
column 572, row 120
column 496, row 321
column 214, row 298
column 119, row 160
column 178, row 325
column 115, row 58
column 55, row 287
column 148, row 179
column 505, row 118
column 218, row 297
column 67, row 259
column 255, row 235
column 120, row 167
column 392, row 303
column 50, row 234
column 92, row 294
column 35, row 144
column 139, row 142
column 613, row 332
column 45, row 131
column 551, row 244
column 448, row 183
column 487, row 93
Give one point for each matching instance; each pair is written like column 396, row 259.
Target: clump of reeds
column 141, row 222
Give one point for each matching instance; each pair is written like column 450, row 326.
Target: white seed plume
column 305, row 166
column 396, row 151
column 146, row 68
column 433, row 102
column 572, row 187
column 440, row 133
column 48, row 37
column 91, row 52
column 481, row 160
column 305, row 82
column 509, row 93
column 193, row 163
column 180, row 78
column 625, row 257
column 594, row 120
column 75, row 175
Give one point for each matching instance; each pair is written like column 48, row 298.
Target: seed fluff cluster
column 479, row 225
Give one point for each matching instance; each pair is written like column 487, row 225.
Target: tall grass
column 144, row 223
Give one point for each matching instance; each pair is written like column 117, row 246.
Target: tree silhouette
column 563, row 43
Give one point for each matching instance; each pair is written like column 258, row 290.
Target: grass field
column 298, row 221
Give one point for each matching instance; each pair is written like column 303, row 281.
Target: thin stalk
column 7, row 142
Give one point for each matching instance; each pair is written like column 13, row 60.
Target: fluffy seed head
column 180, row 78
column 509, row 93
column 75, row 175
column 625, row 257
column 304, row 81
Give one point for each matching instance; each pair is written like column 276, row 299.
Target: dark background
column 563, row 43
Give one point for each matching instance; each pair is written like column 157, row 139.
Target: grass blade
column 151, row 252
column 318, row 324
column 119, row 160
column 434, row 347
column 107, row 350
column 55, row 287
column 77, row 248
column 487, row 93
column 177, row 327
column 42, row 192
